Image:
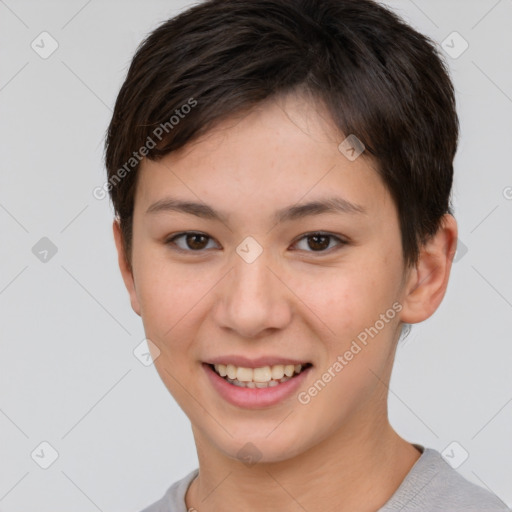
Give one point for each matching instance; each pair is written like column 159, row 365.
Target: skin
column 293, row 300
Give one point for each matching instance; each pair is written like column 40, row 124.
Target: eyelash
column 341, row 241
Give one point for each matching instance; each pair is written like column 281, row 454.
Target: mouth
column 258, row 378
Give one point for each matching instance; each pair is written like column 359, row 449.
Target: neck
column 357, row 470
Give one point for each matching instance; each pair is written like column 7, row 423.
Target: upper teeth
column 263, row 374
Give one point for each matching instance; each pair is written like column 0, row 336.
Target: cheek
column 167, row 298
column 167, row 295
column 347, row 303
column 345, row 297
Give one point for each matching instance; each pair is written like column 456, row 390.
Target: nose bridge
column 252, row 277
column 253, row 298
column 251, row 261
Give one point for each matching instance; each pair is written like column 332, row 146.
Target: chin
column 259, row 448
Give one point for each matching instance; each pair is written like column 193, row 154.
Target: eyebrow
column 287, row 214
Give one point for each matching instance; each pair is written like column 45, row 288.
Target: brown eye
column 320, row 242
column 193, row 242
column 196, row 241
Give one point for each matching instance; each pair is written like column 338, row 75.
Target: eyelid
column 341, row 241
column 170, row 241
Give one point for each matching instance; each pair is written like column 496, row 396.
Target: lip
column 257, row 362
column 254, row 398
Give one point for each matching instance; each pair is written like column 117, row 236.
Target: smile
column 258, row 387
column 262, row 377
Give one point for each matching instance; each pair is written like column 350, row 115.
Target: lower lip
column 254, row 398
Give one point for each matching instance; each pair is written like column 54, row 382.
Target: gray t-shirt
column 431, row 485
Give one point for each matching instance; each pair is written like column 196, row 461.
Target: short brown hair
column 379, row 79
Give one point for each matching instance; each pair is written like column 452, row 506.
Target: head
column 248, row 109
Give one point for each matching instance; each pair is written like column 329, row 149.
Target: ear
column 124, row 266
column 427, row 282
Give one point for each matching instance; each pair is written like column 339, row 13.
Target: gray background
column 68, row 374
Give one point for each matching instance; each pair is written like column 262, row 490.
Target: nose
column 254, row 299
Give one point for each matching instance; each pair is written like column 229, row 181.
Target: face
column 252, row 275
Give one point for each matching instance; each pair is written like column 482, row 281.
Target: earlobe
column 124, row 267
column 428, row 281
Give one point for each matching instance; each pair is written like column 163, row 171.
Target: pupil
column 319, row 245
column 195, row 236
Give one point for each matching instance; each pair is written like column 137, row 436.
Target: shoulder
column 433, row 485
column 174, row 498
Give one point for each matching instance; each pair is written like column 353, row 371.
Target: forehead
column 280, row 152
